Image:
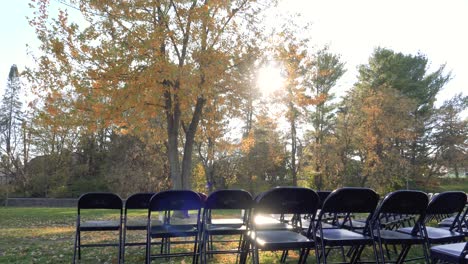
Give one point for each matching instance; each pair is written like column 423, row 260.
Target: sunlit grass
column 46, row 235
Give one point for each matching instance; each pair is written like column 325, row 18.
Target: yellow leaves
column 305, row 100
column 248, row 142
column 325, row 72
column 74, row 53
column 57, row 47
column 85, row 48
column 97, row 108
column 52, row 110
column 97, row 85
column 124, row 131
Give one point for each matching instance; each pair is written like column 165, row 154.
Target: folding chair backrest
column 99, row 201
column 323, row 196
column 175, row 200
column 229, row 199
column 203, row 198
column 404, row 202
column 447, row 203
column 138, row 201
column 351, row 200
column 288, row 200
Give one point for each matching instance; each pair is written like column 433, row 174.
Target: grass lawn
column 453, row 185
column 46, row 235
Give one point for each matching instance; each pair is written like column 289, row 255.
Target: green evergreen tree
column 11, row 121
column 408, row 74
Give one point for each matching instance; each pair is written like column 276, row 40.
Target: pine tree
column 11, row 118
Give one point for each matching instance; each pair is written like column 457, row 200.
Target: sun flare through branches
column 269, row 79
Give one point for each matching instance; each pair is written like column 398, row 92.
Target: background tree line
column 148, row 96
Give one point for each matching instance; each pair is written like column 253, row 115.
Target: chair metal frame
column 95, row 201
column 403, row 202
column 461, row 222
column 295, row 201
column 137, row 201
column 166, row 203
column 232, row 200
column 347, row 201
column 450, row 253
column 445, row 203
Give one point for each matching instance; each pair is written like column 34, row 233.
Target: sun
column 269, row 79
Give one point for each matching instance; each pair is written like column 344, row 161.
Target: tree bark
column 293, row 145
column 173, row 121
column 189, row 142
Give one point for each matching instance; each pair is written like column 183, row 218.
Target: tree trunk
column 293, row 145
column 189, row 142
column 209, row 176
column 173, row 119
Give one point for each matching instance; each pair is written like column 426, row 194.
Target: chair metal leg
column 79, row 245
column 284, row 256
column 356, row 254
column 239, row 248
column 75, row 245
column 403, row 253
column 123, row 245
column 376, row 256
column 255, row 257
column 204, row 248
column 210, row 242
column 305, row 255
column 148, row 249
column 245, row 251
column 120, row 244
column 195, row 251
column 381, row 250
column 426, row 252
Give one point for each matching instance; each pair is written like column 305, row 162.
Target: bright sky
column 352, row 28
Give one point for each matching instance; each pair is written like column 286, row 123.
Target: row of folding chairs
column 159, row 224
column 305, row 220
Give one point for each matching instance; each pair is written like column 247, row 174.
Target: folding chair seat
column 138, row 202
column 404, row 202
column 166, row 203
column 89, row 203
column 282, row 200
column 450, row 253
column 347, row 201
column 446, row 203
column 448, row 221
column 232, row 201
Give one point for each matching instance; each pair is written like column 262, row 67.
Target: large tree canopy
column 391, row 108
column 146, row 66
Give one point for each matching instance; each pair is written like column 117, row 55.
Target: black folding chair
column 96, row 201
column 134, row 203
column 166, row 203
column 327, row 220
column 446, row 203
column 461, row 222
column 323, row 195
column 404, row 202
column 232, row 201
column 282, row 200
column 347, row 201
column 450, row 253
